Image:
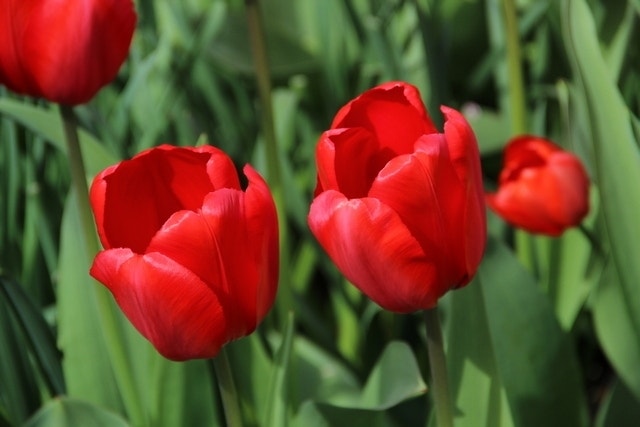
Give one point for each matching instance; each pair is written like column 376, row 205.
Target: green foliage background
column 548, row 333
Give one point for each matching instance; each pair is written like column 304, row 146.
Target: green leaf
column 250, row 362
column 68, row 412
column 38, row 334
column 278, row 397
column 477, row 390
column 18, row 391
column 317, row 375
column 615, row 330
column 395, row 378
column 86, row 364
column 619, row 409
column 286, row 55
column 313, row 414
column 534, row 358
column 47, row 123
column 616, row 155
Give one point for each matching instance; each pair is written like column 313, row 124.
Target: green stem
column 525, row 251
column 227, row 388
column 274, row 175
column 263, row 80
column 438, row 368
column 107, row 316
column 517, row 99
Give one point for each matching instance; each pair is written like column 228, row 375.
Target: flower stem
column 438, row 368
column 227, row 388
column 274, row 175
column 107, row 317
column 517, row 102
column 79, row 179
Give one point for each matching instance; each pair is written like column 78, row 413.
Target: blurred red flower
column 63, row 50
column 190, row 257
column 399, row 207
column 542, row 188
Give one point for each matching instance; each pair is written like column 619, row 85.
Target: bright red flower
column 399, row 207
column 542, row 188
column 190, row 257
column 63, row 50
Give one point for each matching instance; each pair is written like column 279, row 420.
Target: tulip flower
column 542, row 188
column 399, row 207
column 191, row 258
column 63, row 50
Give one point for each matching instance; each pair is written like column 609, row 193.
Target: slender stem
column 429, row 19
column 525, row 251
column 79, row 179
column 227, row 389
column 514, row 64
column 107, row 317
column 263, row 80
column 438, row 368
column 274, row 175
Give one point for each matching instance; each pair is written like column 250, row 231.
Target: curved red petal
column 142, row 193
column 573, row 200
column 524, row 203
column 372, row 247
column 232, row 246
column 392, row 112
column 97, row 196
column 212, row 245
column 166, row 302
column 348, row 160
column 464, row 154
column 423, row 189
column 262, row 229
column 14, row 18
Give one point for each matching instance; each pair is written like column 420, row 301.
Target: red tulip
column 399, row 207
column 542, row 188
column 190, row 257
column 63, row 50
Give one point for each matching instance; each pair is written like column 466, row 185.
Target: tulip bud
column 542, row 188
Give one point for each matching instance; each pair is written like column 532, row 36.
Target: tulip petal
column 133, row 199
column 232, row 246
column 464, row 154
column 262, row 229
column 524, row 202
column 423, row 189
column 393, row 112
column 213, row 244
column 573, row 201
column 372, row 247
column 348, row 161
column 14, row 15
column 166, row 302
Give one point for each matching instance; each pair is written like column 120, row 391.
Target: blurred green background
column 549, row 332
